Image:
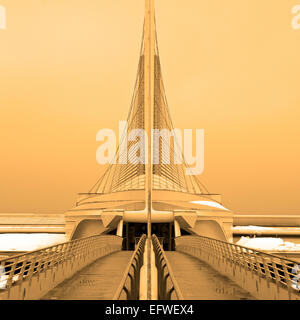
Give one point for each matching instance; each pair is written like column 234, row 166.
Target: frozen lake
column 34, row 241
column 29, row 241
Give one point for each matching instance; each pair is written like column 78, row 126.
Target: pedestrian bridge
column 149, row 186
column 200, row 268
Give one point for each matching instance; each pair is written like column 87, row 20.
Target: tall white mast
column 149, row 54
column 149, row 48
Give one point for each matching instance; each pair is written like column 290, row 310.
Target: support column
column 177, row 229
column 120, row 228
column 170, row 236
column 127, row 236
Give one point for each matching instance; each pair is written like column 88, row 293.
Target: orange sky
column 67, row 69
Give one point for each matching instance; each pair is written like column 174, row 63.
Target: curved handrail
column 132, row 273
column 24, row 266
column 167, row 284
column 282, row 271
column 237, row 245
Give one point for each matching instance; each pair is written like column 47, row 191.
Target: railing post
column 277, row 277
column 11, row 274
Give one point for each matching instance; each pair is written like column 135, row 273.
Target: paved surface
column 98, row 281
column 198, row 281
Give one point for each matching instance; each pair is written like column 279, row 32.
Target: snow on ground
column 270, row 244
column 260, row 228
column 29, row 241
column 210, row 204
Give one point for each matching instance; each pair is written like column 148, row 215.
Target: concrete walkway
column 98, row 281
column 198, row 281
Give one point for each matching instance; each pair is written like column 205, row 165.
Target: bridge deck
column 98, row 281
column 198, row 281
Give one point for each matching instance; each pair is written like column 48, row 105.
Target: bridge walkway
column 198, row 281
column 97, row 281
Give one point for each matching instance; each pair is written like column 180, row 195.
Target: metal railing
column 284, row 272
column 168, row 288
column 129, row 288
column 18, row 268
